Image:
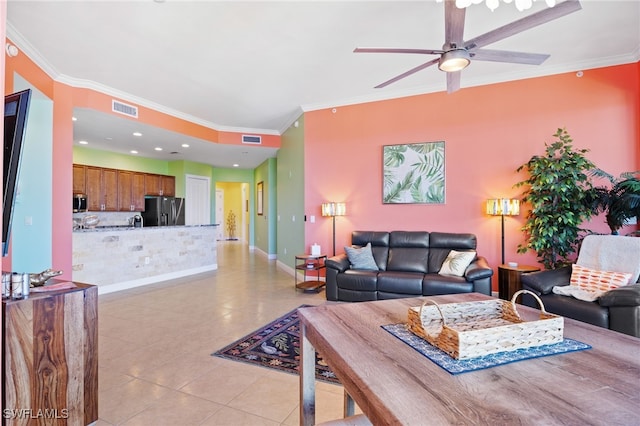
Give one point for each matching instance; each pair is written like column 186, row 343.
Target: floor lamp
column 333, row 210
column 503, row 207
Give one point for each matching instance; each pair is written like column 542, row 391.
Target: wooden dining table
column 393, row 384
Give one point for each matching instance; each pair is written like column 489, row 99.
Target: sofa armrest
column 544, row 281
column 339, row 262
column 478, row 269
column 622, row 296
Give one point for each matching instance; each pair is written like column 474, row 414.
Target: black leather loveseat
column 408, row 263
column 618, row 309
column 616, row 305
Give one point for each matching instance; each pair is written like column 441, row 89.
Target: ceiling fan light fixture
column 454, row 60
column 521, row 5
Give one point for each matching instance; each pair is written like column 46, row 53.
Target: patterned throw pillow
column 456, row 262
column 589, row 284
column 361, row 257
column 598, row 281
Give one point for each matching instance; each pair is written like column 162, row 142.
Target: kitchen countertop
column 133, row 228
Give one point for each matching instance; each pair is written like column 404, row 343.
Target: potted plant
column 561, row 199
column 620, row 201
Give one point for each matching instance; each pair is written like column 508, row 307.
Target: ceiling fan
column 457, row 53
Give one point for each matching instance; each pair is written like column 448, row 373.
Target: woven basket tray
column 474, row 329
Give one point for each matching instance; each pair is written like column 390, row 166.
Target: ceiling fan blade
column 507, row 56
column 394, row 50
column 453, row 81
column 453, row 24
column 408, row 73
column 528, row 22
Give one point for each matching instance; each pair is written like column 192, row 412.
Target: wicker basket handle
column 535, row 296
column 444, row 321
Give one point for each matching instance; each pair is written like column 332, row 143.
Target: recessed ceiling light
column 109, row 138
column 74, row 119
column 137, row 134
column 185, row 145
column 83, row 142
column 133, row 151
column 158, row 149
column 236, row 165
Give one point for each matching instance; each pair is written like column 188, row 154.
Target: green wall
column 265, row 227
column 290, row 197
column 98, row 158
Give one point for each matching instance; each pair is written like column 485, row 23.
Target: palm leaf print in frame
column 413, row 173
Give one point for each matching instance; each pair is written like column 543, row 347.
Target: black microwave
column 79, row 203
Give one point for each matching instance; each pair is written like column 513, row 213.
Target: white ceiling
column 256, row 66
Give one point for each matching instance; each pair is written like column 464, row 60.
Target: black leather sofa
column 617, row 309
column 408, row 264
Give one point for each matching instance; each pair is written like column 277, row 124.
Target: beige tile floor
column 155, row 345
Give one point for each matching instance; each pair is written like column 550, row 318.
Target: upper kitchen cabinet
column 79, row 179
column 160, row 185
column 102, row 189
column 168, row 184
column 130, row 191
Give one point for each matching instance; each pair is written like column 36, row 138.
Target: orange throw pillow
column 597, row 281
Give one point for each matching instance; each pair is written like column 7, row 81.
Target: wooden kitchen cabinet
column 102, row 189
column 168, row 185
column 151, row 184
column 119, row 190
column 130, row 191
column 79, row 179
column 160, row 185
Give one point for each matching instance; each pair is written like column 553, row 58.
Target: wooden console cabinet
column 50, row 358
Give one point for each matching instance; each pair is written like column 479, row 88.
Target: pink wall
column 489, row 132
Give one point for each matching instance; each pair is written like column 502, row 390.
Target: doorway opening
column 232, row 211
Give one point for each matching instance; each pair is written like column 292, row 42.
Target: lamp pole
column 502, row 217
column 334, row 235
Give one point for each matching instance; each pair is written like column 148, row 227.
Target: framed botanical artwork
column 260, row 199
column 413, row 173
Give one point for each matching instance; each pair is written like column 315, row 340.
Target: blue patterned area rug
column 277, row 346
column 455, row 366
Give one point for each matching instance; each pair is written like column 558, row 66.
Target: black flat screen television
column 16, row 109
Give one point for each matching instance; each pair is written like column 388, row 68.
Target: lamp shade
column 334, row 209
column 503, row 207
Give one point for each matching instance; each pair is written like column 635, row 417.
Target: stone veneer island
column 118, row 258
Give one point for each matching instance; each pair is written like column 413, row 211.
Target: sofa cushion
column 569, row 307
column 400, row 282
column 441, row 243
column 361, row 257
column 434, row 284
column 357, row 280
column 408, row 251
column 457, row 262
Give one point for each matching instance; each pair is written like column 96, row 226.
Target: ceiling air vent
column 256, row 140
column 121, row 108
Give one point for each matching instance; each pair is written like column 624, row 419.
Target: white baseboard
column 126, row 285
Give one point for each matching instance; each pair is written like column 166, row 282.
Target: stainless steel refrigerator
column 163, row 211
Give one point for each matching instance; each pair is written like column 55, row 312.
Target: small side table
column 310, row 264
column 509, row 279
